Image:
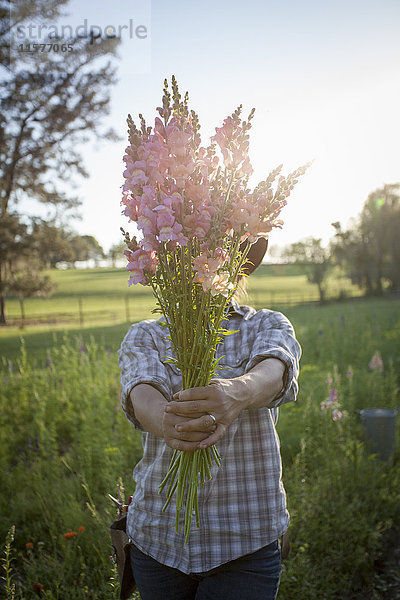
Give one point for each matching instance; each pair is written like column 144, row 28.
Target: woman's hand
column 185, row 433
column 193, row 408
column 225, row 399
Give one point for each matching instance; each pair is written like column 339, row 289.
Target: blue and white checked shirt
column 243, row 507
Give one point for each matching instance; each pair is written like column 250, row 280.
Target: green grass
column 98, row 303
column 104, row 294
column 64, row 443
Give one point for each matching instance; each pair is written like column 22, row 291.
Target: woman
column 235, row 553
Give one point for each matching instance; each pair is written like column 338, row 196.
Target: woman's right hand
column 186, row 440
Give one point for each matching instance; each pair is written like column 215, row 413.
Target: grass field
column 65, row 443
column 98, row 302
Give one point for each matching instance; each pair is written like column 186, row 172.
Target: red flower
column 70, row 534
column 80, row 529
column 29, row 545
column 37, row 587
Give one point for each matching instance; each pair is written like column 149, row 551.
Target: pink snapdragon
column 376, row 363
column 206, row 280
column 223, row 135
column 140, row 262
column 197, row 193
column 246, row 169
column 221, row 255
column 332, row 401
column 221, row 284
column 181, row 171
column 206, row 267
column 337, row 415
column 177, row 141
column 206, row 264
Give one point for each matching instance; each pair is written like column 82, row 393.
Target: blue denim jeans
column 251, row 577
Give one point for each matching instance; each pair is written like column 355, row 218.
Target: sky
column 323, row 76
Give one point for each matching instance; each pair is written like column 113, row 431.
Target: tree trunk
column 22, row 308
column 3, row 314
column 321, row 293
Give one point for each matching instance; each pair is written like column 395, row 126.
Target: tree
column 21, row 263
column 54, row 244
column 12, row 245
column 314, row 258
column 95, row 251
column 27, row 282
column 84, row 248
column 116, row 253
column 49, row 104
column 369, row 250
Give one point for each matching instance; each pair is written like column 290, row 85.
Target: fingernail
column 178, row 427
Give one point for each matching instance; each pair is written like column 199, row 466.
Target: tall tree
column 29, row 281
column 116, row 253
column 369, row 249
column 50, row 104
column 95, row 250
column 53, row 243
column 316, row 261
column 12, row 245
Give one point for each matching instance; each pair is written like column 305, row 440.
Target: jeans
column 251, row 577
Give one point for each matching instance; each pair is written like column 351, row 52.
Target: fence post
column 127, row 315
column 80, row 311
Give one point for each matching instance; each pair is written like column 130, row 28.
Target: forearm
column 225, row 399
column 260, row 386
column 149, row 404
column 149, row 408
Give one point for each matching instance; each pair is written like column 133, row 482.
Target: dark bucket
column 380, row 430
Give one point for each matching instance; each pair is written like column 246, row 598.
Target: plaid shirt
column 243, row 507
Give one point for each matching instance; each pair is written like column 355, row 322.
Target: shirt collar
column 235, row 308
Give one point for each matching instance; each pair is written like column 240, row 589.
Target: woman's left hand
column 222, row 399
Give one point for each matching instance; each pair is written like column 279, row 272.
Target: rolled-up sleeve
column 276, row 338
column 140, row 362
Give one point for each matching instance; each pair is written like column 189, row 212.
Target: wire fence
column 81, row 312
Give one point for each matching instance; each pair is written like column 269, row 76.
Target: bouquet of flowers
column 197, row 219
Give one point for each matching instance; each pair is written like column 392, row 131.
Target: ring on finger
column 213, row 419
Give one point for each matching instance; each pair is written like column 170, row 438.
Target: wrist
column 261, row 385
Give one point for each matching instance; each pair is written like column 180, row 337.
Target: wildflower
column 337, row 415
column 192, row 215
column 80, row 529
column 29, row 545
column 222, row 285
column 376, row 363
column 205, row 279
column 37, row 587
column 206, row 265
column 333, row 396
column 70, row 534
column 349, row 373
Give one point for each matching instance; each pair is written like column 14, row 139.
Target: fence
column 83, row 312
